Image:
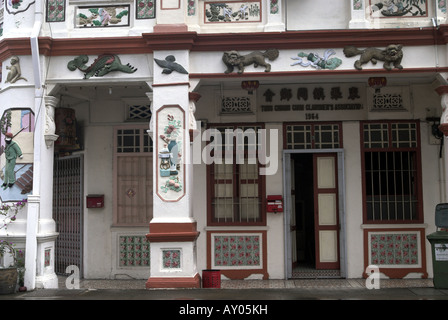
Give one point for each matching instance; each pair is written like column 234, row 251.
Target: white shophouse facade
column 110, row 137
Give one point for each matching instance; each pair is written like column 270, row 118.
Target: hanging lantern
column 250, row 85
column 377, row 83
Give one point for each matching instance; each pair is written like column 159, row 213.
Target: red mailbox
column 275, row 204
column 95, row 200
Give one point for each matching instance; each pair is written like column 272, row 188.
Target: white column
column 443, row 92
column 172, row 231
column 41, row 228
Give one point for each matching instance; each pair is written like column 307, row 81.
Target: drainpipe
column 34, row 199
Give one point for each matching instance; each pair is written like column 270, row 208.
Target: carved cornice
column 186, row 40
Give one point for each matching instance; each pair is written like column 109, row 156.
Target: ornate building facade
column 262, row 138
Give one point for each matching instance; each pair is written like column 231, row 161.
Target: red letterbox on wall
column 275, row 204
column 95, row 201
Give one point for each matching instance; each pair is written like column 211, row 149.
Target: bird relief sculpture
column 170, row 155
column 169, row 65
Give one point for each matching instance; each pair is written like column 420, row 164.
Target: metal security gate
column 67, row 212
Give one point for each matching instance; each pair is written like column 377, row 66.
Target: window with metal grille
column 391, row 172
column 236, row 190
column 313, row 136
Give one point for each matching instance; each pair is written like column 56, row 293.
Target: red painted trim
column 363, row 72
column 172, row 237
column 442, row 90
column 167, row 28
column 169, row 232
column 444, row 128
column 397, row 273
column 172, row 227
column 170, row 40
column 174, row 282
column 171, row 84
column 194, row 96
column 175, row 37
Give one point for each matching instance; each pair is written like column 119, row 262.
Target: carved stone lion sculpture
column 391, row 56
column 233, row 59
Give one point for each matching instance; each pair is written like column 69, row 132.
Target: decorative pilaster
column 172, row 231
column 358, row 10
column 50, row 126
column 41, row 228
column 193, row 97
column 443, row 93
column 275, row 16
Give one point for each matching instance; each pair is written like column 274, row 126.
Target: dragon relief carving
column 101, row 66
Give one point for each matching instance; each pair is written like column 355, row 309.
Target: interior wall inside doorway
column 303, row 210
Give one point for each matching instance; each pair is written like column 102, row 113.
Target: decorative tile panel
column 399, row 249
column 47, row 258
column 442, row 5
column 274, row 7
column 191, row 7
column 358, row 4
column 171, row 259
column 398, row 9
column 237, row 251
column 101, row 17
column 55, row 10
column 146, row 9
column 134, row 251
column 234, row 11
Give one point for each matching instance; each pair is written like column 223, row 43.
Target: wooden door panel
column 326, row 221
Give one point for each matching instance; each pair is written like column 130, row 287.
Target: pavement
column 261, row 299
column 233, row 290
